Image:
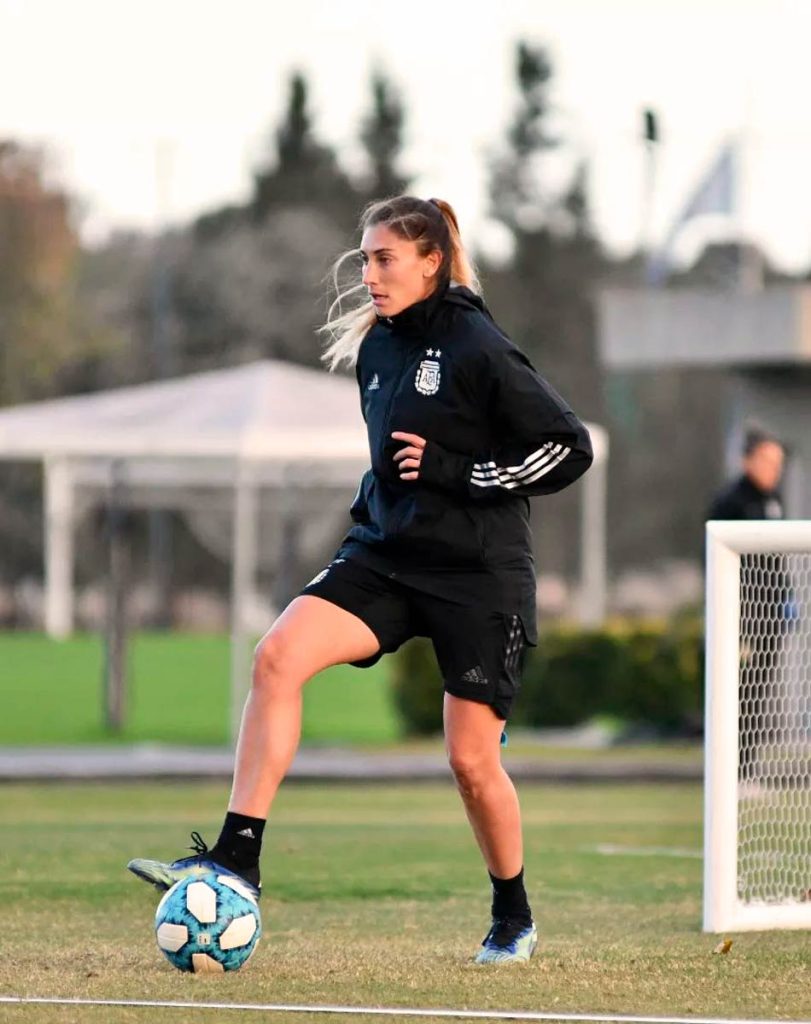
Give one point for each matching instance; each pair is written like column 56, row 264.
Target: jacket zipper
column 387, row 417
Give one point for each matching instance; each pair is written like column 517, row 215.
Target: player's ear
column 431, row 263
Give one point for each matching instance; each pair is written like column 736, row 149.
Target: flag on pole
column 715, row 193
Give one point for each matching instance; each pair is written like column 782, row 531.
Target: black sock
column 510, row 898
column 240, row 840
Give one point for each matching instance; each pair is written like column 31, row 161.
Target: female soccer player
column 462, row 430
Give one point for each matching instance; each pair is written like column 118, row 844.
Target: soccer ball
column 208, row 924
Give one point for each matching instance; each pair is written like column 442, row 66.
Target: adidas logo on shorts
column 475, row 675
column 323, row 573
column 319, row 577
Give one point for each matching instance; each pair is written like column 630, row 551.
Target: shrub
column 417, row 688
column 569, row 676
column 647, row 675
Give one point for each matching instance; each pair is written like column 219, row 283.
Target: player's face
column 395, row 274
column 764, row 466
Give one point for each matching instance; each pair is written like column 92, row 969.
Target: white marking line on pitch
column 396, row 1011
column 613, row 850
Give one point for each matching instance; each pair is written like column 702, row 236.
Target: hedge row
column 648, row 676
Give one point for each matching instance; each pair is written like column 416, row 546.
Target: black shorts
column 480, row 652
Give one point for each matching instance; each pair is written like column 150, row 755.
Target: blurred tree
column 114, row 288
column 556, row 258
column 47, row 337
column 306, row 172
column 249, row 282
column 515, row 194
column 382, row 138
column 43, row 331
column 547, row 291
column 543, row 295
column 576, row 204
column 256, row 291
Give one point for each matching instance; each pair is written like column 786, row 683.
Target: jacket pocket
column 430, row 526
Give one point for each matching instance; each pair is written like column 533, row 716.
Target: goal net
column 757, row 817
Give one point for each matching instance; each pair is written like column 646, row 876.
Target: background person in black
column 755, row 493
column 765, row 604
column 462, row 430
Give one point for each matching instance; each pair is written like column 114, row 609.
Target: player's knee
column 272, row 668
column 470, row 771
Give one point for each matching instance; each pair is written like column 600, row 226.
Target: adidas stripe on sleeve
column 534, row 466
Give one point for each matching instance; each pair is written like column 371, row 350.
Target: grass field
column 52, row 693
column 376, row 896
column 179, row 694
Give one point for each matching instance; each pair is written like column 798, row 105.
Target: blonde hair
column 432, row 224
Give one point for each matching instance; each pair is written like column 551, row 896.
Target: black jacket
column 740, row 499
column 496, row 433
column 766, row 582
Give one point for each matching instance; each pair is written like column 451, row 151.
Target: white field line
column 613, row 850
column 393, row 1011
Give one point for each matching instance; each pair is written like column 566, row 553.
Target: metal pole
column 593, row 514
column 243, row 564
column 159, row 519
column 287, row 576
column 58, row 548
column 650, row 135
column 115, row 662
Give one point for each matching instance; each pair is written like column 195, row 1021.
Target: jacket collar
column 461, row 295
column 416, row 318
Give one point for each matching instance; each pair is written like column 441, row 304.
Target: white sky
column 110, row 84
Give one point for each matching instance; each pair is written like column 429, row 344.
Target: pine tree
column 382, row 138
column 543, row 296
column 306, row 172
column 515, row 194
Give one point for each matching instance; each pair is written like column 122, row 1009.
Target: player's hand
column 409, row 457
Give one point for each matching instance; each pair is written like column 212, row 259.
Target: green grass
column 377, row 896
column 52, row 693
column 180, row 692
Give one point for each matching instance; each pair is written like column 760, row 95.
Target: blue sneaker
column 163, row 876
column 508, row 942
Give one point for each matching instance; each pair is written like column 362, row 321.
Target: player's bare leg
column 310, row 635
column 473, row 744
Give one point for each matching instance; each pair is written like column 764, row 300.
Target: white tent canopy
column 268, row 411
column 262, row 424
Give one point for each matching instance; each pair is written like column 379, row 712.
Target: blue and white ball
column 208, row 924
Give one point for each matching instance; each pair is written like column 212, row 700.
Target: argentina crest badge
column 428, row 375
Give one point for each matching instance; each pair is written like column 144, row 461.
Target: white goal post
column 757, row 771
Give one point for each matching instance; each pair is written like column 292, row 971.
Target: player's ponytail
column 461, row 267
column 432, row 224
